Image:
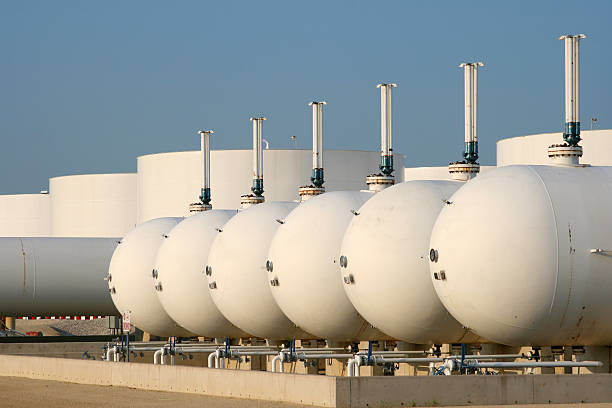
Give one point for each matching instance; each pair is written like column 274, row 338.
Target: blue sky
column 85, row 87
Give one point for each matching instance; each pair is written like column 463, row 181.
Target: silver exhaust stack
column 317, row 178
column 384, row 179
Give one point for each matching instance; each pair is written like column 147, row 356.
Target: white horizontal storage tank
column 93, row 205
column 385, row 265
column 238, row 280
column 130, row 278
column 532, row 149
column 523, row 255
column 25, row 215
column 304, row 266
column 55, row 276
column 177, row 176
column 180, row 277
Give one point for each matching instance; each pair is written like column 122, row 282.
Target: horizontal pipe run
column 253, row 353
column 306, row 349
column 394, row 352
column 322, row 356
column 535, row 364
column 488, row 356
column 411, row 360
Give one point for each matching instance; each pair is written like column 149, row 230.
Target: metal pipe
column 351, row 368
column 306, row 356
column 394, row 352
column 413, row 360
column 277, row 358
column 318, row 349
column 111, row 350
column 470, row 77
column 217, row 358
column 386, row 130
column 572, row 88
column 534, row 364
column 257, row 188
column 357, row 370
column 157, row 355
column 253, row 353
column 211, row 359
column 205, row 149
column 489, row 356
column 317, row 178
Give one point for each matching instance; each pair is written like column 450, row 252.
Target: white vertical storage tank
column 175, row 176
column 303, row 268
column 25, row 215
column 384, row 265
column 55, row 276
column 93, row 205
column 523, row 255
column 531, row 149
column 180, row 275
column 130, row 278
column 237, row 277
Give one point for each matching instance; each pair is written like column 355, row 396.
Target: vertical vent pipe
column 572, row 88
column 470, row 69
column 469, row 167
column 317, row 178
column 205, row 148
column 258, row 187
column 386, row 131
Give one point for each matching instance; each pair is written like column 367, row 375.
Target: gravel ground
column 64, row 327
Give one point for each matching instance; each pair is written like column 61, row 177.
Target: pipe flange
column 307, row 192
column 463, row 171
column 378, row 182
column 250, row 199
column 195, row 208
column 566, row 155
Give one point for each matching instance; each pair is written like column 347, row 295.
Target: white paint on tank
column 93, row 205
column 181, row 275
column 516, row 247
column 533, row 149
column 305, row 256
column 55, row 276
column 386, row 258
column 131, row 282
column 177, row 176
column 239, row 282
column 25, row 215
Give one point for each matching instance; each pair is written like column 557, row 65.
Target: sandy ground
column 23, row 392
